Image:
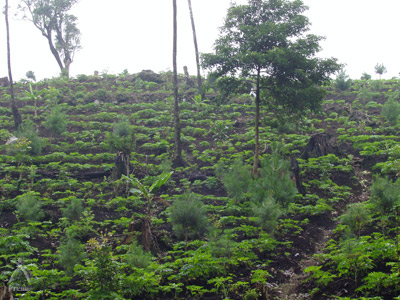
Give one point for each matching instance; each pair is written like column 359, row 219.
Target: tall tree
column 196, row 48
column 264, row 42
column 178, row 161
column 57, row 26
column 380, row 69
column 14, row 108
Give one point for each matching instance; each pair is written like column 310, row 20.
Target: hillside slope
column 74, row 225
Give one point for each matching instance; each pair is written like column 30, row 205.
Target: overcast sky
column 137, row 35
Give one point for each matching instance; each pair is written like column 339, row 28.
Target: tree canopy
column 265, row 42
column 57, row 26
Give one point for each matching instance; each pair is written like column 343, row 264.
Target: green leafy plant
column 56, row 121
column 236, row 179
column 342, row 81
column 385, row 193
column 74, row 210
column 188, row 217
column 267, row 213
column 380, row 69
column 391, row 111
column 71, row 252
column 29, row 207
column 147, row 192
column 28, row 130
column 137, row 257
column 34, row 95
column 356, row 216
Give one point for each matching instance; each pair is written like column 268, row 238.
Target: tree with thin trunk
column 178, row 161
column 15, row 111
column 57, row 26
column 196, row 49
column 263, row 42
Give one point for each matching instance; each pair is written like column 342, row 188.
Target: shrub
column 391, row 111
column 56, row 121
column 342, row 81
column 121, row 138
column 74, row 210
column 356, row 216
column 188, row 216
column 28, row 130
column 29, row 207
column 236, row 179
column 385, row 193
column 137, row 257
column 71, row 252
column 267, row 213
column 274, row 181
column 365, row 76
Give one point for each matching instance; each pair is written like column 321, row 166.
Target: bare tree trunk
column 15, row 112
column 54, row 50
column 256, row 127
column 178, row 161
column 196, row 49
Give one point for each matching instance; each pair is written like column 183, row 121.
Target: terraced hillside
column 92, row 208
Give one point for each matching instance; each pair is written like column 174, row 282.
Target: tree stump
column 319, row 145
column 294, row 168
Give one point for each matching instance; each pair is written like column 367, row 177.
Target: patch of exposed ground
column 291, row 289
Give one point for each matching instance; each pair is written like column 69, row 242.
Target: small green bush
column 188, row 216
column 28, row 130
column 29, row 207
column 342, row 81
column 137, row 257
column 121, row 138
column 385, row 194
column 236, row 179
column 56, row 121
column 74, row 210
column 391, row 111
column 267, row 213
column 356, row 216
column 70, row 252
column 274, row 181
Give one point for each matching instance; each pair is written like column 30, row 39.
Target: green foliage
column 28, row 130
column 52, row 19
column 30, row 75
column 274, row 181
column 271, row 190
column 385, row 193
column 100, row 274
column 236, row 179
column 188, row 216
column 356, row 216
column 365, row 76
column 265, row 41
column 29, row 207
column 380, row 69
column 391, row 111
column 71, row 252
column 342, row 81
column 121, row 139
column 137, row 257
column 74, row 210
column 267, row 213
column 56, row 121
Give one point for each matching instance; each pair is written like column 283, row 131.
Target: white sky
column 137, row 35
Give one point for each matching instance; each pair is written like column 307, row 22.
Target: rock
column 11, row 140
